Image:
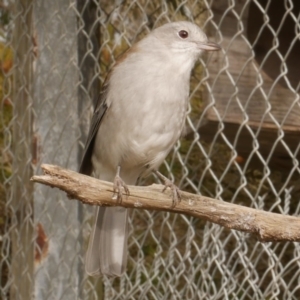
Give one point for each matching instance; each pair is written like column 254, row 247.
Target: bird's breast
column 146, row 116
column 156, row 125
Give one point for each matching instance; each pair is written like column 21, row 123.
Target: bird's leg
column 176, row 196
column 119, row 184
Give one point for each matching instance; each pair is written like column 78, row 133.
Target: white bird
column 138, row 118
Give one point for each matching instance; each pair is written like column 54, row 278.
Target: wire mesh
column 241, row 145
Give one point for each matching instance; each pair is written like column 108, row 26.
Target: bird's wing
column 100, row 110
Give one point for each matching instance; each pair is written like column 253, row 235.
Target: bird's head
column 183, row 42
column 184, row 37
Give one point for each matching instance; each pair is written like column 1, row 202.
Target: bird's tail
column 107, row 250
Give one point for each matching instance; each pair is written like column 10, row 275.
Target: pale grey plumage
column 138, row 119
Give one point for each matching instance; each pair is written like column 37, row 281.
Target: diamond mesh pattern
column 241, row 145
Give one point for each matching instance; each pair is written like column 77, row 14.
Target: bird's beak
column 210, row 46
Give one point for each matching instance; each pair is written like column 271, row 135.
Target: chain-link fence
column 241, row 145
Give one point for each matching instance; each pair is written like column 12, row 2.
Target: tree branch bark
column 266, row 226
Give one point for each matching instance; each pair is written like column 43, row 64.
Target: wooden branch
column 266, row 226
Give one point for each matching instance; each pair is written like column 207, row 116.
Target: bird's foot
column 118, row 187
column 176, row 196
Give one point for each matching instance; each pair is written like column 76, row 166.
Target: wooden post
column 20, row 204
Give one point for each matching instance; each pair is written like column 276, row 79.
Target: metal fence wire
column 241, row 145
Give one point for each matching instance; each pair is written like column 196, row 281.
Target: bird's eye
column 183, row 34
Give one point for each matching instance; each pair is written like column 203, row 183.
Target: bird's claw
column 176, row 195
column 118, row 187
